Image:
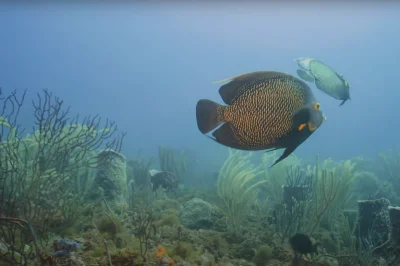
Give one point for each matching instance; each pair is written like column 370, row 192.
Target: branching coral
column 332, row 191
column 237, row 186
column 275, row 176
column 291, row 214
column 143, row 226
column 36, row 170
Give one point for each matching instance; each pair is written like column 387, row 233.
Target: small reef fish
column 324, row 77
column 266, row 110
column 302, row 244
column 164, row 179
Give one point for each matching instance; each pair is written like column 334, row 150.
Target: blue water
column 146, row 66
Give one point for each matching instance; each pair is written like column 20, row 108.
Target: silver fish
column 329, row 81
column 324, row 77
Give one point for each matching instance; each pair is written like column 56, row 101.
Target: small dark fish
column 164, row 179
column 266, row 110
column 302, row 244
column 325, row 78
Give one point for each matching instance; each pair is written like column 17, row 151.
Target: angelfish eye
column 316, row 106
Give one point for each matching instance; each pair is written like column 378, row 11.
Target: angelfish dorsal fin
column 232, row 78
column 231, row 89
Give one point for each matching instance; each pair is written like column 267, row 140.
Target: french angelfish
column 265, row 110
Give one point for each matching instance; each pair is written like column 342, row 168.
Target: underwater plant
column 37, row 170
column 174, row 162
column 237, row 186
column 291, row 213
column 390, row 173
column 105, row 242
column 331, row 191
column 139, row 170
column 275, row 175
column 142, row 222
column 138, row 178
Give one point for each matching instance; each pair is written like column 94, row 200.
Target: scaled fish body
column 266, row 110
column 329, row 81
column 325, row 78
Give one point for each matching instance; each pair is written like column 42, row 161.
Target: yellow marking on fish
column 311, row 126
column 302, row 126
column 317, row 106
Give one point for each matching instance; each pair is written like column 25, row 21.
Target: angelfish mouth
column 323, row 118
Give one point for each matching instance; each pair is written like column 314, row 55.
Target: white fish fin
column 305, row 75
column 232, row 78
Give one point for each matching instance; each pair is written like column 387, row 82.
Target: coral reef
column 166, row 180
column 138, row 179
column 173, row 162
column 198, row 214
column 69, row 196
column 237, row 186
column 64, row 247
column 39, row 179
column 263, row 255
column 390, row 249
column 110, row 180
column 374, row 218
